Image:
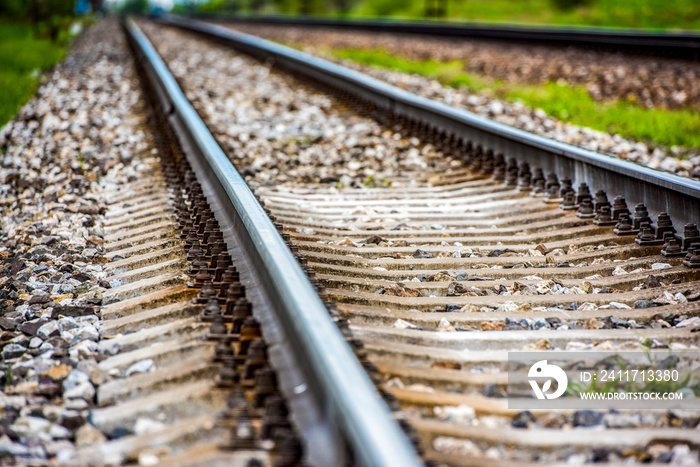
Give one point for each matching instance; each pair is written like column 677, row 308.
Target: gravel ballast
column 278, row 131
column 83, row 133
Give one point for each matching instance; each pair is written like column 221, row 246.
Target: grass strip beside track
column 560, row 100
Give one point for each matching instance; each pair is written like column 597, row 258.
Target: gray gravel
column 279, row 131
column 83, row 133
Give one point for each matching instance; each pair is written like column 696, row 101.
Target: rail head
column 661, row 191
column 332, row 399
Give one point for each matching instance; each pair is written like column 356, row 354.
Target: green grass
column 575, row 105
column 17, row 88
column 383, row 59
column 449, row 73
column 22, row 57
column 568, row 103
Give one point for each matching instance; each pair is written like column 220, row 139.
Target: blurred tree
column 96, row 5
column 50, row 16
column 257, row 6
column 289, row 7
column 14, row 9
column 134, row 6
column 284, row 6
column 220, row 6
column 566, row 5
column 435, row 8
column 342, row 6
column 314, row 7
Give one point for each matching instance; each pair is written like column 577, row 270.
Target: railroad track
column 683, row 44
column 431, row 279
column 208, row 356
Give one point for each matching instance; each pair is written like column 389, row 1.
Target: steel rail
column 682, row 44
column 343, row 420
column 660, row 191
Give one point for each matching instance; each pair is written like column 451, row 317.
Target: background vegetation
column 675, row 14
column 133, row 6
column 34, row 36
column 22, row 56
